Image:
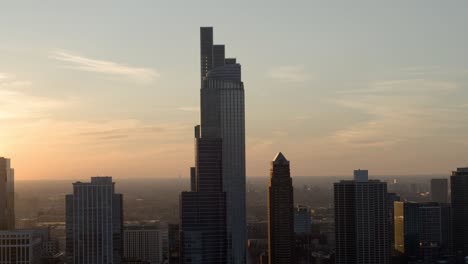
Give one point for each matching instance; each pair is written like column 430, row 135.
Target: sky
column 112, row 87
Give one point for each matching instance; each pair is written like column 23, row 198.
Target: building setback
column 7, row 195
column 361, row 221
column 94, row 223
column 203, row 211
column 280, row 213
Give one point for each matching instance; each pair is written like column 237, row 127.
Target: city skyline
column 351, row 84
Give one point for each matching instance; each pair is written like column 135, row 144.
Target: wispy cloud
column 15, row 104
column 422, row 70
column 10, row 81
column 399, row 111
column 290, row 73
column 82, row 63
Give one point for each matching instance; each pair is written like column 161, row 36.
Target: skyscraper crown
column 280, row 159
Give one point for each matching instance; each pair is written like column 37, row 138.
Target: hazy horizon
column 112, row 88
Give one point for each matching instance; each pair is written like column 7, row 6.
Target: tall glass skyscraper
column 222, row 126
column 7, row 195
column 94, row 223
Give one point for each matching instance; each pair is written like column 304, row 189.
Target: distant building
column 94, row 223
column 303, row 234
column 280, row 213
column 361, row 221
column 459, row 187
column 399, row 227
column 143, row 243
column 302, row 220
column 7, row 195
column 23, row 246
column 423, row 230
column 439, row 190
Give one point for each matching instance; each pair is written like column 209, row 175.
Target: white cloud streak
column 15, row 104
column 106, row 67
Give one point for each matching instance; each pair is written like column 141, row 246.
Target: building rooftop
column 280, row 159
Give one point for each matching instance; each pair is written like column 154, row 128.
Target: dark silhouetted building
column 173, row 243
column 7, row 195
column 439, row 190
column 94, row 223
column 280, row 213
column 361, row 221
column 459, row 188
column 203, row 211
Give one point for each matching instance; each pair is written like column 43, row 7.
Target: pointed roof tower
column 280, row 159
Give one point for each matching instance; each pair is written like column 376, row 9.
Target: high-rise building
column 361, row 221
column 222, row 132
column 423, row 230
column 459, row 194
column 94, row 223
column 143, row 243
column 439, row 190
column 302, row 220
column 23, row 246
column 280, row 213
column 7, row 195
